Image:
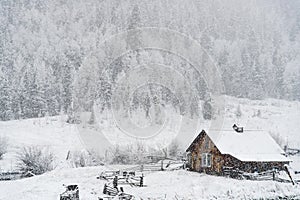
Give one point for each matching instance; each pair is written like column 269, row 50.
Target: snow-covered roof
column 249, row 145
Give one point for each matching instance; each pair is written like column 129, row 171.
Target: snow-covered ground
column 278, row 117
column 52, row 133
column 159, row 185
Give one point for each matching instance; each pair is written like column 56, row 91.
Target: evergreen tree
column 279, row 69
column 5, row 101
column 147, row 104
column 66, row 87
column 105, row 94
column 134, row 40
column 207, row 110
column 295, row 86
column 194, row 107
column 134, row 37
column 258, row 80
column 92, row 117
column 32, row 102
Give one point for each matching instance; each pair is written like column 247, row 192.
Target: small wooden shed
column 249, row 151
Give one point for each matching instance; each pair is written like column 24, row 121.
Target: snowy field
column 159, row 185
column 52, row 133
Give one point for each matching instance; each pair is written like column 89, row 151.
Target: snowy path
column 93, row 140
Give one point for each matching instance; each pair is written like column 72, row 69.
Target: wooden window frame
column 206, row 160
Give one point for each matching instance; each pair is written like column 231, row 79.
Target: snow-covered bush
column 174, row 149
column 3, row 146
column 238, row 112
column 258, row 113
column 79, row 159
column 130, row 154
column 96, row 158
column 87, row 158
column 119, row 155
column 139, row 153
column 35, row 159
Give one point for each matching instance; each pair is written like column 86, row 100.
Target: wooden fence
column 159, row 166
column 6, row 176
column 262, row 176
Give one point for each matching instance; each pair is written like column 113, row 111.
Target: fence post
column 141, row 181
column 115, row 182
column 104, row 189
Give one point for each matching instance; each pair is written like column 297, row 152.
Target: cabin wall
column 230, row 161
column 205, row 145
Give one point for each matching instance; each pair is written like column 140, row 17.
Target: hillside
column 48, row 46
column 278, row 117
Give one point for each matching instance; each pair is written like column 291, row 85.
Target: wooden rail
column 262, row 176
column 15, row 175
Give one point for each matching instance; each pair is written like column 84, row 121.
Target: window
column 206, row 160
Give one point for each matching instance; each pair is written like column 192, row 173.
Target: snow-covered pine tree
column 279, row 69
column 5, row 100
column 207, row 110
column 258, row 82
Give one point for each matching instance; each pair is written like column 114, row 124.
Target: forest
column 45, row 49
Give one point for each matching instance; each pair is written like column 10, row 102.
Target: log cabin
column 248, row 151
